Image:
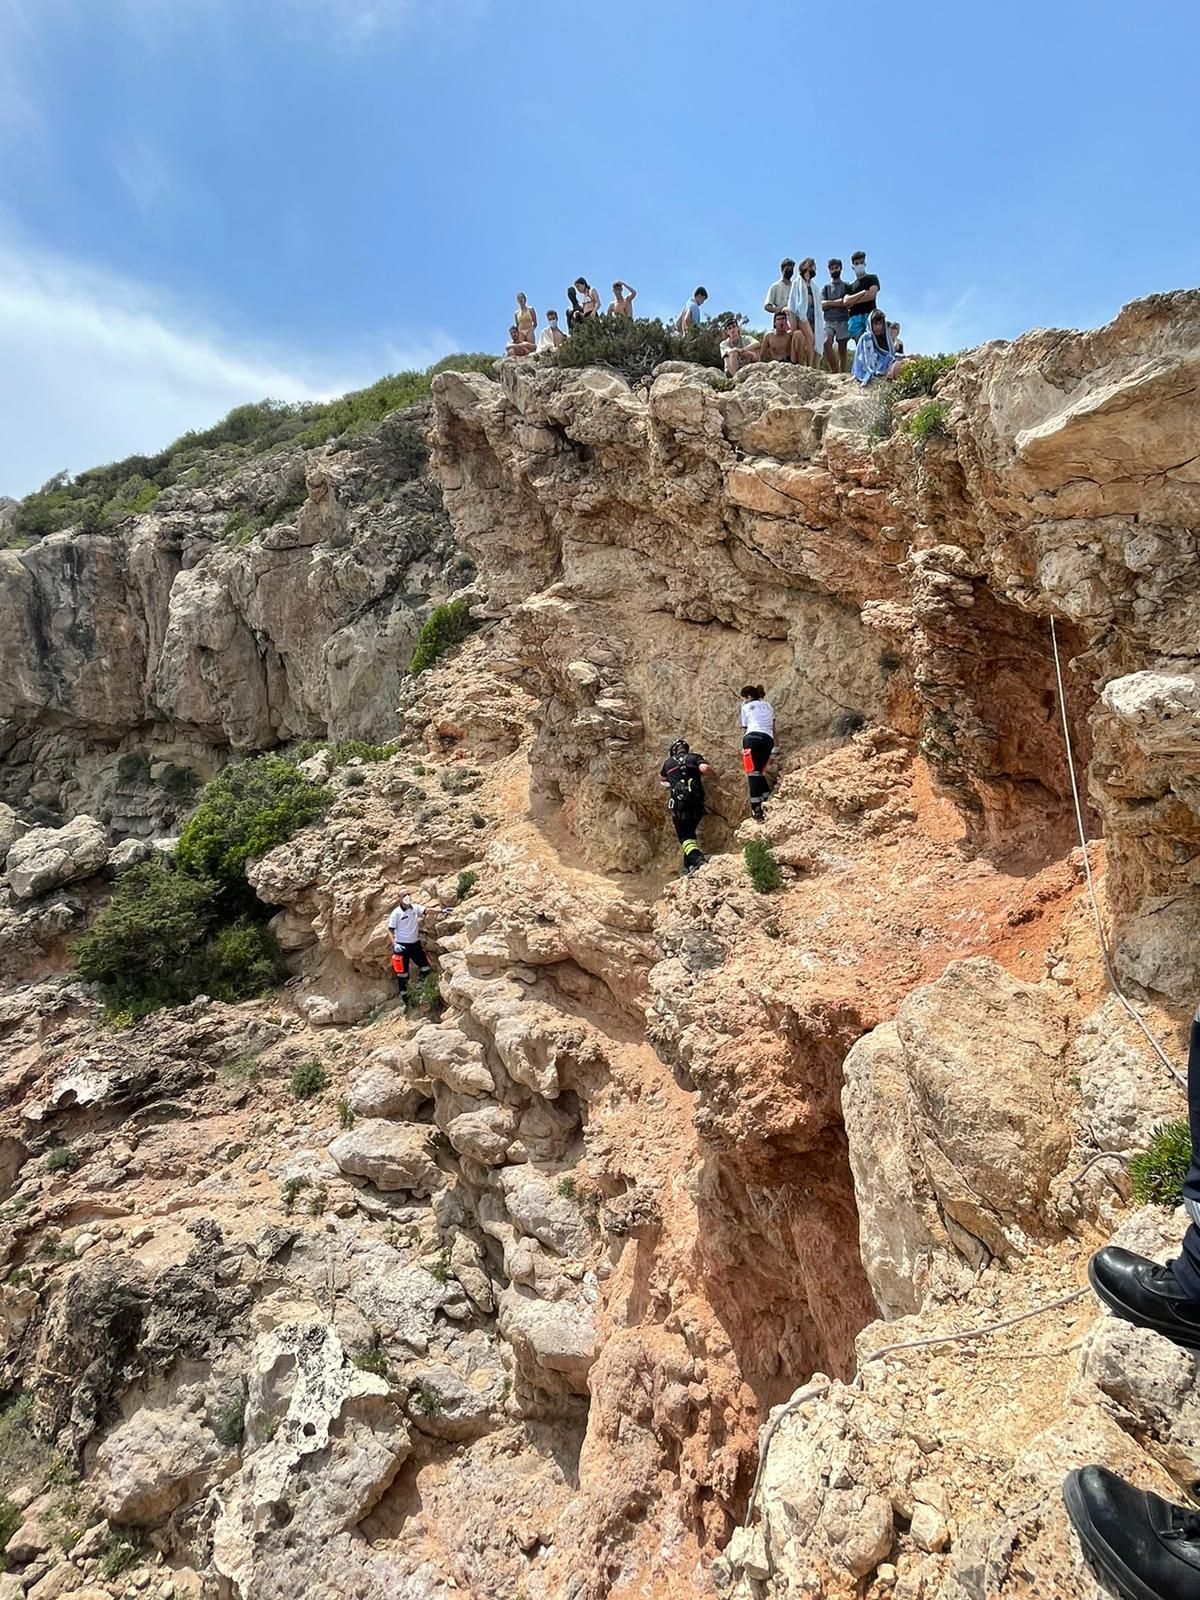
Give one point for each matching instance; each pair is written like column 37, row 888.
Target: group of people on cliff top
column 810, row 327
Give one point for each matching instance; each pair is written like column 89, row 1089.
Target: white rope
column 815, row 1391
column 1087, row 866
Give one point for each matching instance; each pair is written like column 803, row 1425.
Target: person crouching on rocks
column 682, row 776
column 404, row 925
column 758, row 741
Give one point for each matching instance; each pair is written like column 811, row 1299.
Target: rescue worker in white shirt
column 404, row 925
column 758, row 741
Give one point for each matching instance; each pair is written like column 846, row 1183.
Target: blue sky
column 206, row 201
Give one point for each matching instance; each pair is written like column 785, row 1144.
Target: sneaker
column 1143, row 1547
column 1142, row 1292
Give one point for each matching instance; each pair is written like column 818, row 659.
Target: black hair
column 753, row 691
column 702, row 290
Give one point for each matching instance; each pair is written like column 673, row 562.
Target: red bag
column 398, row 962
column 747, row 760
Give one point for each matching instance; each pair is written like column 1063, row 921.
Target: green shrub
column 133, row 767
column 634, row 346
column 445, row 627
column 359, row 750
column 180, row 783
column 761, row 866
column 253, row 806
column 920, row 375
column 427, row 993
column 61, row 1159
column 929, row 421
column 290, row 1188
column 462, row 362
column 345, row 1114
column 135, row 947
column 440, row 1270
column 309, row 1078
column 882, row 397
column 427, row 1400
column 1157, row 1174
column 567, row 1188
column 122, row 1552
column 374, row 1358
column 466, row 882
column 241, row 1069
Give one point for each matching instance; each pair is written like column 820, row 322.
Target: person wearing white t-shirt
column 404, row 925
column 758, row 741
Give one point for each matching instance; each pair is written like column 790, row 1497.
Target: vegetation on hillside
column 634, row 346
column 446, row 626
column 102, row 496
column 187, row 924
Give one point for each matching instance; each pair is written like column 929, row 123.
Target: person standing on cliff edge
column 682, row 776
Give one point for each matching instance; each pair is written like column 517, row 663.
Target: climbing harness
column 1087, row 866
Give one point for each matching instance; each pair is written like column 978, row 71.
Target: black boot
column 1144, row 1548
column 692, row 862
column 756, row 810
column 1145, row 1294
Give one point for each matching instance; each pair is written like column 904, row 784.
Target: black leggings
column 759, row 746
column 410, row 954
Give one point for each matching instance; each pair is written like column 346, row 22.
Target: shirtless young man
column 780, row 343
column 622, row 304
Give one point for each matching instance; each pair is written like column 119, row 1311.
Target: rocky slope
column 503, row 1310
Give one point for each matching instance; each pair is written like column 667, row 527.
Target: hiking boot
column 1144, row 1548
column 692, row 862
column 757, row 812
column 1145, row 1294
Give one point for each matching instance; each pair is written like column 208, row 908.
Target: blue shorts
column 857, row 325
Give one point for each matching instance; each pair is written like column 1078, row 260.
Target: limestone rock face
column 955, row 1126
column 46, row 858
column 151, row 1464
column 168, row 633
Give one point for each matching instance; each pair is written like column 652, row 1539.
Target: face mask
column 406, row 903
column 860, row 267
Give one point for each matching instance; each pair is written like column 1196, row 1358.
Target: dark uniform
column 685, row 802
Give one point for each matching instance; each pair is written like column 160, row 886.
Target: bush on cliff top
column 100, row 497
column 634, row 346
column 920, row 375
column 253, row 806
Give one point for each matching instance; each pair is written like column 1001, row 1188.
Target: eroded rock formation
column 504, row 1309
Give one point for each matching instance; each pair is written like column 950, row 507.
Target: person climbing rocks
column 1164, row 1299
column 1144, row 1547
column 682, row 775
column 404, row 925
column 758, row 741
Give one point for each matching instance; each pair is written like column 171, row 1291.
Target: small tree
column 253, row 806
column 446, row 626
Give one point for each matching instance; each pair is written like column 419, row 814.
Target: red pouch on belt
column 747, row 760
column 398, row 963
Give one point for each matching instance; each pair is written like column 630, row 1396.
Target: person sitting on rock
column 551, row 335
column 404, row 925
column 517, row 346
column 622, row 302
column 897, row 343
column 758, row 741
column 780, row 343
column 682, row 775
column 1164, row 1299
column 736, row 349
column 873, row 354
column 574, row 308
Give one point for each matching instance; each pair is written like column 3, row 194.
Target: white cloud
column 145, row 173
column 98, row 367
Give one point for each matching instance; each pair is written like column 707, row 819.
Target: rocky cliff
column 503, row 1310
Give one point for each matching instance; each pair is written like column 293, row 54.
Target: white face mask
column 860, row 267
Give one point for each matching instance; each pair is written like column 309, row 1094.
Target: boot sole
column 1169, row 1330
column 1102, row 1559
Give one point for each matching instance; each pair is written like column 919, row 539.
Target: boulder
column 46, row 858
column 956, row 1125
column 151, row 1464
column 391, row 1155
column 377, row 1091
column 11, row 829
column 484, row 1135
column 551, row 1335
column 442, row 1405
column 537, row 1208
